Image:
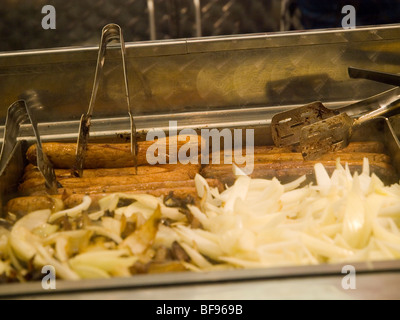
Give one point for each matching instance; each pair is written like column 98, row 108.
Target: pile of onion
column 256, row 223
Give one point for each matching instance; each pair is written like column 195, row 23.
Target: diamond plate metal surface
column 79, row 22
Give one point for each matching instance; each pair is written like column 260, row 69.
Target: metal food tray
column 249, row 79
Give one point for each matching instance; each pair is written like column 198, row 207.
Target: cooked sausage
column 182, row 189
column 24, row 205
column 181, row 173
column 32, row 172
column 297, row 157
column 181, row 192
column 285, row 171
column 100, row 155
column 365, row 147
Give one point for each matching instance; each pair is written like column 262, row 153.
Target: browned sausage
column 286, row 171
column 99, row 155
column 24, row 205
column 366, row 147
column 32, row 172
column 297, row 157
column 181, row 173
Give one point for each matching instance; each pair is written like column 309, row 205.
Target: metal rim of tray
column 138, row 282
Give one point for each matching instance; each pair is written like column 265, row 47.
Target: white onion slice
column 73, row 212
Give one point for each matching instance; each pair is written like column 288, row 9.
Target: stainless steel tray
column 379, row 130
column 228, row 82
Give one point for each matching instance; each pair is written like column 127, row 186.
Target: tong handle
column 382, row 77
column 371, row 104
column 15, row 116
column 386, row 108
column 111, row 32
column 134, row 147
column 81, row 147
column 19, row 112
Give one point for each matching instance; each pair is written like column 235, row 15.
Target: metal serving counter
column 238, row 81
column 369, row 287
column 379, row 280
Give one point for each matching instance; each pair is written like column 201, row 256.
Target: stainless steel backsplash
column 235, row 72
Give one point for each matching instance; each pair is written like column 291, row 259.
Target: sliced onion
column 108, row 261
column 255, row 223
column 4, row 267
column 101, row 231
column 62, row 269
column 73, row 212
column 201, row 185
column 295, row 184
column 22, row 242
column 196, row 257
column 89, row 272
column 33, row 220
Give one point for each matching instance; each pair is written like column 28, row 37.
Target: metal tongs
column 316, row 130
column 382, row 77
column 19, row 112
column 111, row 32
column 334, row 133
